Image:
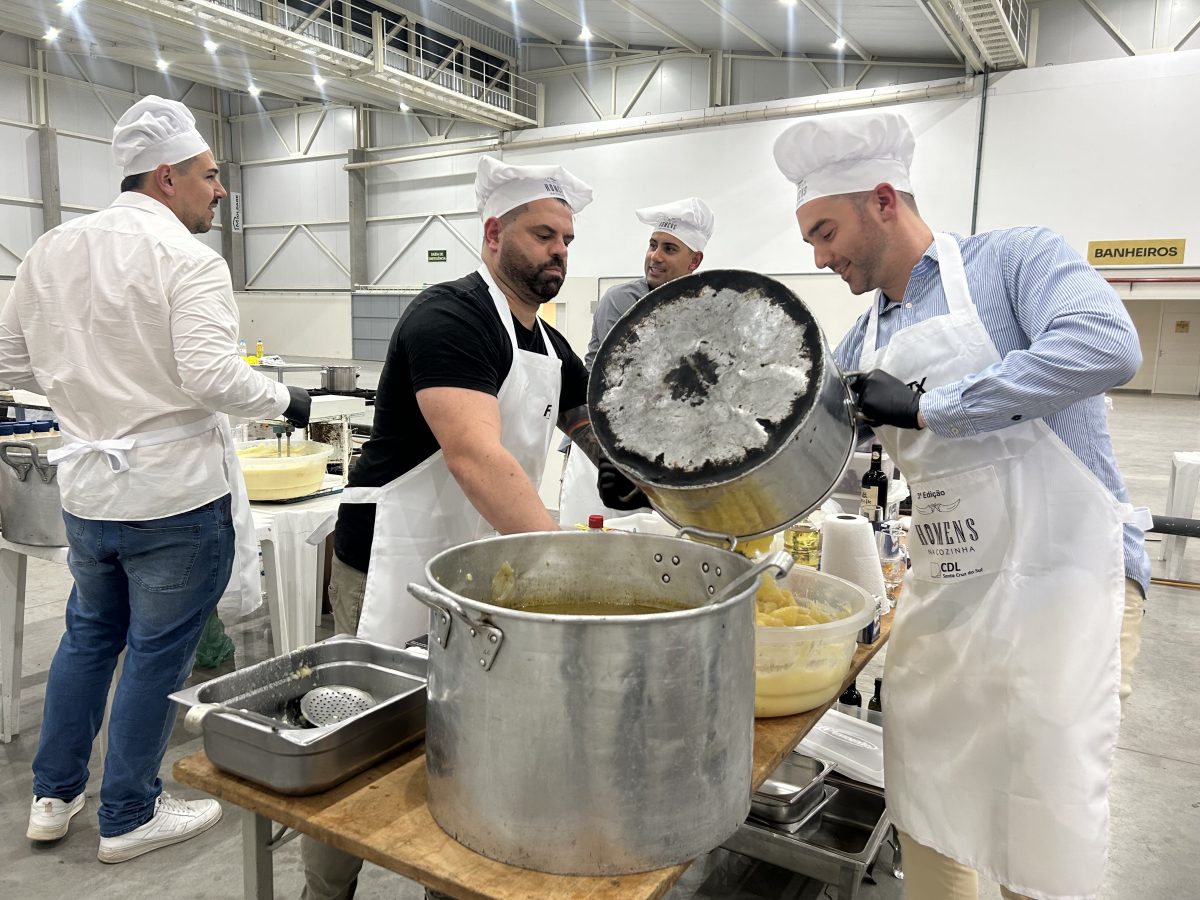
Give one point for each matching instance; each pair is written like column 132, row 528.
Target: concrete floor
column 1155, row 791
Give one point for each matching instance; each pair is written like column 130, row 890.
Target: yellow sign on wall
column 1166, row 252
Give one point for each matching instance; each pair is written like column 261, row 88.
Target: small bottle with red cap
column 595, row 523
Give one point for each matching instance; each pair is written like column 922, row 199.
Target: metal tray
column 291, row 758
column 836, row 847
column 792, row 790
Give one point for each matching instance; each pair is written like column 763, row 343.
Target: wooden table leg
column 258, row 877
column 12, row 637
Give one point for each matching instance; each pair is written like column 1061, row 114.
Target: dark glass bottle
column 874, row 487
column 876, row 702
column 851, row 696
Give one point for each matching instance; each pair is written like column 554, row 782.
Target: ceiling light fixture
column 68, row 5
column 50, row 35
column 210, row 45
column 839, row 44
column 254, row 89
column 162, row 64
column 404, row 107
column 585, row 34
column 788, row 2
column 318, row 80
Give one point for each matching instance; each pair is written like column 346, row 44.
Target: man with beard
column 127, row 323
column 472, row 388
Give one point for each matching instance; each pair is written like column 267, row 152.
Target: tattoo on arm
column 578, row 427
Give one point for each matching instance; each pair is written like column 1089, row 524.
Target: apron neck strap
column 954, row 276
column 506, row 315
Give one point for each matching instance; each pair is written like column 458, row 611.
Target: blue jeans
column 148, row 587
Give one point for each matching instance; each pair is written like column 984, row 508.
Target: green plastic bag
column 215, row 645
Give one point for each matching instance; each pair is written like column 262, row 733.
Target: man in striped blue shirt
column 981, row 364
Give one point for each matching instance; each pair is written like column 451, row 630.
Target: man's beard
column 519, row 272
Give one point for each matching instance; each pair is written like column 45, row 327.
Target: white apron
column 578, row 497
column 1003, row 666
column 424, row 511
column 244, row 582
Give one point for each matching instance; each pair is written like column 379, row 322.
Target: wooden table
column 381, row 815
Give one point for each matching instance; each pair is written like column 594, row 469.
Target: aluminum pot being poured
column 718, row 394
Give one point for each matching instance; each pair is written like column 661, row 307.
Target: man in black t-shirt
column 471, row 391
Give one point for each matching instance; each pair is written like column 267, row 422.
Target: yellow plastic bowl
column 799, row 668
column 271, row 477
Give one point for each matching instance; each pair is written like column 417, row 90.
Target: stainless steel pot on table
column 30, row 504
column 339, row 378
column 718, row 394
column 583, row 744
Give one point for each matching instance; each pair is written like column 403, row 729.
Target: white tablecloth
column 1181, row 500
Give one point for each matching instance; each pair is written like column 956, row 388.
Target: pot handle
column 780, row 559
column 708, row 536
column 21, row 464
column 485, row 638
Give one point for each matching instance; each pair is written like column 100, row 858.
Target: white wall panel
column 391, row 128
column 14, row 49
column 77, row 107
column 300, row 264
column 87, row 174
column 14, row 97
column 335, row 134
column 565, row 103
column 20, row 176
column 91, row 68
column 267, row 137
column 298, row 191
column 20, row 226
column 296, row 324
column 752, row 80
column 425, row 186
column 733, row 169
column 1097, row 150
column 385, row 240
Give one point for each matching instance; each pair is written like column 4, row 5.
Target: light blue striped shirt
column 1063, row 336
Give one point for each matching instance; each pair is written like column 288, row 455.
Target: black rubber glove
column 299, row 407
column 884, row 399
column 617, row 491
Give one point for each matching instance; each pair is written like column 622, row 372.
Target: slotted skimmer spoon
column 332, row 703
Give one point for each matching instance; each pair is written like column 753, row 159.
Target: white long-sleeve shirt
column 127, row 324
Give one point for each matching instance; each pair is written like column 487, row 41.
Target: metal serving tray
column 792, row 791
column 836, row 847
column 291, row 758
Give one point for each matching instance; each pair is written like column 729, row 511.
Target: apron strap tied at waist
column 115, row 449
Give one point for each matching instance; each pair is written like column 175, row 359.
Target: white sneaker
column 174, row 821
column 49, row 817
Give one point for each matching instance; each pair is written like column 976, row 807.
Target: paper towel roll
column 848, row 551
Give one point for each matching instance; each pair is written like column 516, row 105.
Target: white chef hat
column 689, row 220
column 845, row 155
column 155, row 131
column 500, row 187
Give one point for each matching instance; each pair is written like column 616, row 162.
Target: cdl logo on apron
column 958, row 526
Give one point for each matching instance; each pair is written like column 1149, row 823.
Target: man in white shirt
column 679, row 232
column 128, row 325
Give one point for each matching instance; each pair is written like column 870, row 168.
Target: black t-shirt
column 450, row 336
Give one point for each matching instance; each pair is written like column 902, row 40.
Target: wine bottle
column 874, row 487
column 851, row 696
column 876, row 702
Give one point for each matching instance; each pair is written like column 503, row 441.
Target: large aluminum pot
column 590, row 745
column 30, row 506
column 339, row 378
column 718, row 394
